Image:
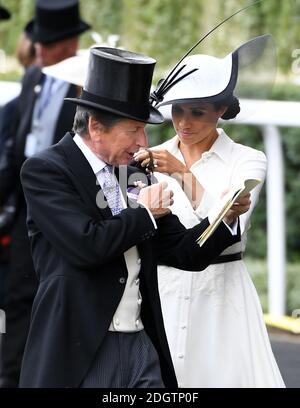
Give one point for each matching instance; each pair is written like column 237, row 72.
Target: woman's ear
column 222, row 110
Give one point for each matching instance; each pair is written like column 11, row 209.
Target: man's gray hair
column 82, row 115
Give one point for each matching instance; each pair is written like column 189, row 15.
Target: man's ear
column 95, row 129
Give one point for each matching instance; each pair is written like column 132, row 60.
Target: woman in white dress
column 213, row 319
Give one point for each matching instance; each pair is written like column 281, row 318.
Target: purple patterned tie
column 111, row 190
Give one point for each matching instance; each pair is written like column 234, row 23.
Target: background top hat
column 4, row 13
column 56, row 20
column 119, row 81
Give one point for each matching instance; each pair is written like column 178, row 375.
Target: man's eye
column 197, row 113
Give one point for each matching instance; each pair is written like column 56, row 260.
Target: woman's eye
column 177, row 112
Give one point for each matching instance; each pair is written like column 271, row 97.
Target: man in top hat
column 42, row 120
column 96, row 318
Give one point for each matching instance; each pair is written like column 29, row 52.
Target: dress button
column 122, row 280
column 180, row 355
column 117, row 322
column 137, row 281
column 186, row 297
column 139, row 261
column 183, row 326
column 139, row 301
column 137, row 323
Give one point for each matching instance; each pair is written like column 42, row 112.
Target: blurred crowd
column 29, row 123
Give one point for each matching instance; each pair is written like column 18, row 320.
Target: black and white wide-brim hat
column 214, row 79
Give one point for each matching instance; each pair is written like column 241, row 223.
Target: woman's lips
column 185, row 134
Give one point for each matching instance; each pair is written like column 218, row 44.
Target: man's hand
column 241, row 206
column 157, row 198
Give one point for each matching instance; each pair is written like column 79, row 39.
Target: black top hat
column 119, row 81
column 4, row 14
column 56, row 20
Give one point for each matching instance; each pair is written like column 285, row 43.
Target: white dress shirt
column 45, row 115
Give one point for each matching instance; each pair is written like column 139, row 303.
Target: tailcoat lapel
column 83, row 172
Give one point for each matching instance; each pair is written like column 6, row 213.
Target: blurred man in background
column 42, row 120
column 9, row 114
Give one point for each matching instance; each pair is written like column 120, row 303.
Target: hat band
column 140, row 109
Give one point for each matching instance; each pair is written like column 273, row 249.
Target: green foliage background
column 165, row 29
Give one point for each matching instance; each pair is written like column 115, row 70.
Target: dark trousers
column 21, row 287
column 125, row 360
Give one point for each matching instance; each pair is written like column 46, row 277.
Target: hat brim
column 73, row 69
column 4, row 13
column 178, row 95
column 45, row 36
column 155, row 117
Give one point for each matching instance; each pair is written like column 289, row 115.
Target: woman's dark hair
column 233, row 107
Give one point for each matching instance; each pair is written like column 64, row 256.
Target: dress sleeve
column 252, row 164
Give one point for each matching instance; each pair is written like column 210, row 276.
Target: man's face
column 117, row 145
column 49, row 54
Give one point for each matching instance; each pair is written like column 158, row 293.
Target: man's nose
column 142, row 139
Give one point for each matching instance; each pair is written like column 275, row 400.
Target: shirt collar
column 95, row 162
column 172, row 147
column 221, row 147
column 55, row 83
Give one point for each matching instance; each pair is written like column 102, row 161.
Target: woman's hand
column 162, row 160
column 241, row 206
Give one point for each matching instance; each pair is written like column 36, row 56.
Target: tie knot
column 108, row 169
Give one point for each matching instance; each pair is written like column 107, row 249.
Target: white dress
column 213, row 319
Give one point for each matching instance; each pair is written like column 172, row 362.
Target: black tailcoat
column 21, row 281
